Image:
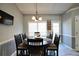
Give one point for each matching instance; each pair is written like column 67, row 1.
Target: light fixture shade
column 40, row 18
column 33, row 17
column 0, row 17
column 36, row 17
column 36, row 20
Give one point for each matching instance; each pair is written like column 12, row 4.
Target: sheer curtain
column 37, row 27
column 56, row 28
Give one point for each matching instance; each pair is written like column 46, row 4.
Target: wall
column 74, row 13
column 7, row 32
column 68, row 27
column 7, row 48
column 28, row 18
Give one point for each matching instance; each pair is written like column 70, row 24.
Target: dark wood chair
column 24, row 36
column 35, row 46
column 20, row 47
column 54, row 46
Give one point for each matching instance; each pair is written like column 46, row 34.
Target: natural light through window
column 56, row 28
column 37, row 27
column 32, row 28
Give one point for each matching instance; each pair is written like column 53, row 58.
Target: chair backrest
column 53, row 38
column 36, row 41
column 24, row 36
column 18, row 39
column 35, row 46
column 56, row 40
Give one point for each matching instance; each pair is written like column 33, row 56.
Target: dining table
column 46, row 41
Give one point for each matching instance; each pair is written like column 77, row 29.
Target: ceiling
column 43, row 8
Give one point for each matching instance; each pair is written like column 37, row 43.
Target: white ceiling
column 44, row 8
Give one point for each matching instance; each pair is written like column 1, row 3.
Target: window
column 32, row 28
column 56, row 28
column 37, row 27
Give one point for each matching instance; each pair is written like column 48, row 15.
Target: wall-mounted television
column 6, row 18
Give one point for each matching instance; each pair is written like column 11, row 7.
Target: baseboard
column 68, row 47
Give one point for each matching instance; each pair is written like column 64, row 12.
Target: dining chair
column 35, row 46
column 20, row 47
column 24, row 36
column 54, row 46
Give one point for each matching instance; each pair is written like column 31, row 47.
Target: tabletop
column 45, row 41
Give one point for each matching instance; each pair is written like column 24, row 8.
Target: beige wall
column 7, row 32
column 28, row 18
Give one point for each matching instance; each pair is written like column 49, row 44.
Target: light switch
column 76, row 33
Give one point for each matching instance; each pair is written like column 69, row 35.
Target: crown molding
column 72, row 9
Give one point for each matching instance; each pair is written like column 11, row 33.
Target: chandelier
column 36, row 17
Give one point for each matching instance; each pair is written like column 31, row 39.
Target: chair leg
column 47, row 52
column 17, row 52
column 26, row 52
column 57, row 52
column 23, row 52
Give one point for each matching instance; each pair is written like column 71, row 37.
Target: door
column 77, row 32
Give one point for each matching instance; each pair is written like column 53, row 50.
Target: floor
column 64, row 51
